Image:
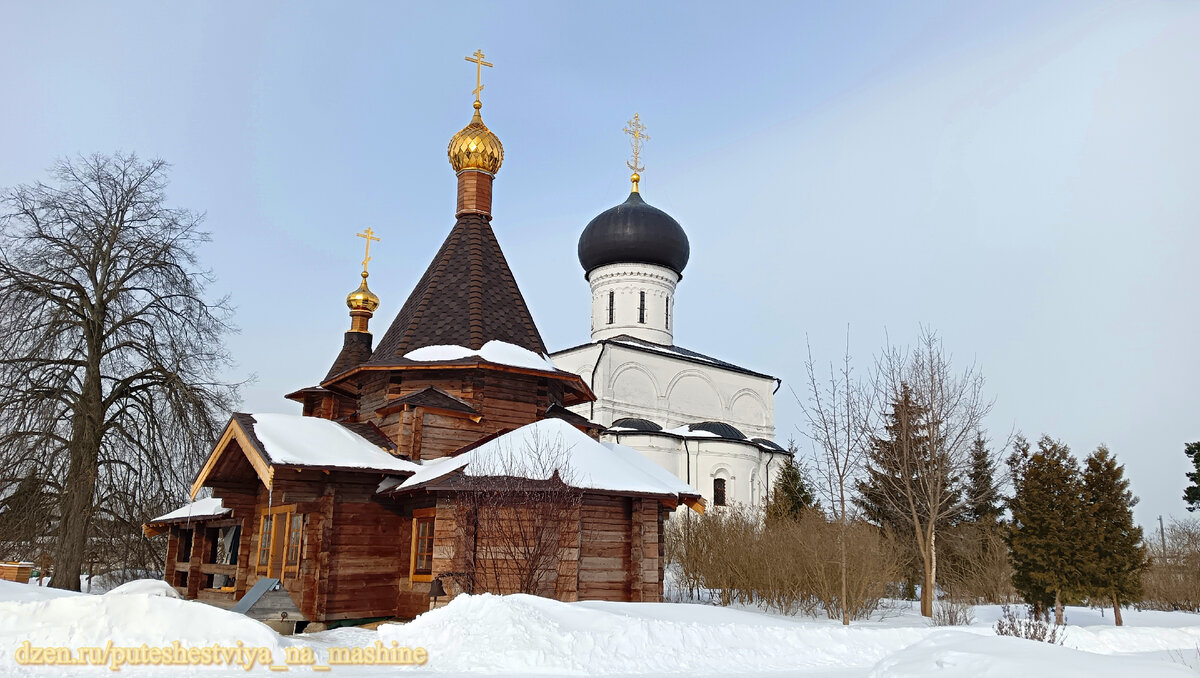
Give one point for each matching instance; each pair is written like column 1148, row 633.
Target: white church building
column 708, row 421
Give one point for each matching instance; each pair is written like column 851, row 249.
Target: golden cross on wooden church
column 637, row 134
column 369, row 235
column 477, row 59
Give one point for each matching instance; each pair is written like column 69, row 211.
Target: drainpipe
column 592, row 379
column 688, row 455
column 767, row 491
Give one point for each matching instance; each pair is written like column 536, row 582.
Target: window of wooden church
column 642, row 307
column 293, row 549
column 612, row 306
column 422, row 544
column 264, row 541
column 718, row 491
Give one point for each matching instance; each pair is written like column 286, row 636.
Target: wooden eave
column 400, row 407
column 263, row 467
column 298, row 396
column 442, row 484
column 233, row 431
column 154, row 528
column 577, row 393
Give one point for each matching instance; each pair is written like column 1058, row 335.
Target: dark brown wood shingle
column 467, row 297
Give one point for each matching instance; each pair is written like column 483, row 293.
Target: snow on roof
column 499, row 352
column 686, row 432
column 536, row 450
column 294, row 440
column 201, row 508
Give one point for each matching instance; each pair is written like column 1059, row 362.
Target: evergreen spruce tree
column 885, row 494
column 791, row 493
column 1048, row 537
column 1192, row 494
column 1118, row 553
column 983, row 500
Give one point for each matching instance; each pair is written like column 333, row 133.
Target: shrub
column 1172, row 581
column 951, row 612
column 786, row 565
column 1028, row 627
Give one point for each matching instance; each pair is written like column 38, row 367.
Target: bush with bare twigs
column 1029, row 627
column 953, row 612
column 786, row 565
column 1172, row 581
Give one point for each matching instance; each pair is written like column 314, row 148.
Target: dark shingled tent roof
column 467, row 297
column 356, row 349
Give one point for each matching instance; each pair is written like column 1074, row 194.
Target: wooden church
column 441, row 459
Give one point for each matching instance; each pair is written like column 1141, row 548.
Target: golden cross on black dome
column 477, row 59
column 637, row 135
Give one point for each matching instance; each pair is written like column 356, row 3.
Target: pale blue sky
column 1019, row 175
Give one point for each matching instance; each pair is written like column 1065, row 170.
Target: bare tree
column 839, row 412
column 110, row 352
column 516, row 512
column 935, row 414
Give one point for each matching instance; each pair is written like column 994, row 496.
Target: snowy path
column 524, row 635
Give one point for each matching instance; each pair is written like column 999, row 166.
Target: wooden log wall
column 172, row 549
column 365, row 556
column 620, row 554
column 503, row 399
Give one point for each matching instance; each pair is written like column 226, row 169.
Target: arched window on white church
column 612, row 306
column 642, row 307
column 718, row 491
column 668, row 314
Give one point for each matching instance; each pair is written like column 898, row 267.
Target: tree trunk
column 1117, row 611
column 842, row 548
column 929, row 586
column 1058, row 615
column 845, row 594
column 75, row 509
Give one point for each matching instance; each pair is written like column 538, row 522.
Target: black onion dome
column 637, row 424
column 634, row 233
column 719, row 428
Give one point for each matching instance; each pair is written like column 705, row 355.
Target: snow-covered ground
column 525, row 635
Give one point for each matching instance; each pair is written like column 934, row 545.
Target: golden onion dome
column 476, row 147
column 363, row 299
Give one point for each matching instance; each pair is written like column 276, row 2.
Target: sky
column 1018, row 176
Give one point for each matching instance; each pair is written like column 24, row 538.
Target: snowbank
column 955, row 654
column 499, row 352
column 55, row 618
column 145, row 587
column 11, row 591
column 529, row 635
column 524, row 635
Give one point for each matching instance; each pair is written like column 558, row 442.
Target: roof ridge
column 466, row 297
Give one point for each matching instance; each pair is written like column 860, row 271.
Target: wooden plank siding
column 620, row 555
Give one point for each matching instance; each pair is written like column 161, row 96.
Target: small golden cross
column 369, row 235
column 479, row 64
column 637, row 133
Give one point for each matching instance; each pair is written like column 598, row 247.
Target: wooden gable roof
column 467, row 297
column 355, row 447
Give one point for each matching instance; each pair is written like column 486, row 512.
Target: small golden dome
column 476, row 147
column 363, row 299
